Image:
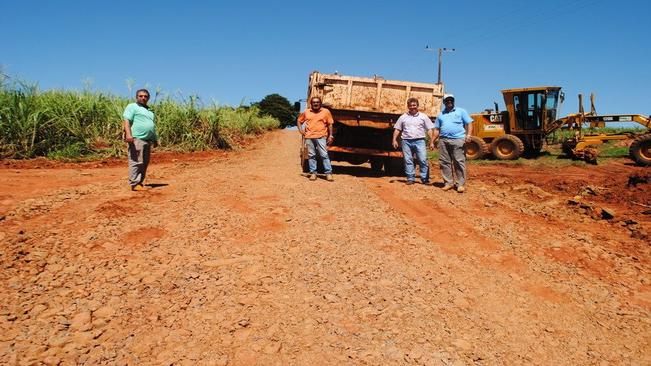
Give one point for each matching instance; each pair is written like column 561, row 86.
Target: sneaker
column 409, row 182
column 461, row 189
column 329, row 178
column 447, row 187
column 312, row 176
column 137, row 187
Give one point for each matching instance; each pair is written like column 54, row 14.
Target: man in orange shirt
column 317, row 133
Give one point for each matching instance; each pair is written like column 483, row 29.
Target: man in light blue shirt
column 454, row 127
column 412, row 127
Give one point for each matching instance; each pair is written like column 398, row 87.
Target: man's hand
column 467, row 139
column 155, row 143
column 431, row 144
column 395, row 144
column 330, row 139
column 128, row 138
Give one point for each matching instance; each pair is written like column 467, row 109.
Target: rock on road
column 240, row 260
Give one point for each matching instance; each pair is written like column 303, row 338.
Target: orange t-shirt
column 316, row 124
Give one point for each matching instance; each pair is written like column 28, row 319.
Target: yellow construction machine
column 531, row 115
column 582, row 145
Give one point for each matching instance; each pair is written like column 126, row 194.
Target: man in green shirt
column 140, row 135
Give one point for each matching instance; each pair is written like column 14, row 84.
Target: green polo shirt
column 141, row 120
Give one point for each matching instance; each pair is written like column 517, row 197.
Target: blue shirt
column 413, row 127
column 452, row 122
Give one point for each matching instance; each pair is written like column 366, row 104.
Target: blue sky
column 240, row 51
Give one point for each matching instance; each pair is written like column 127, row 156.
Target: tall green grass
column 70, row 124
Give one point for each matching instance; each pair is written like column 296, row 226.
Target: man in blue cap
column 454, row 127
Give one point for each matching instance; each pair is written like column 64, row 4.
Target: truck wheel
column 376, row 165
column 476, row 148
column 640, row 150
column 394, row 166
column 507, row 147
column 303, row 156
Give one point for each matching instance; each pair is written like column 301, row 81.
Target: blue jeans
column 315, row 146
column 411, row 147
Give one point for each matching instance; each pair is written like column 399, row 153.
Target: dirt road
column 239, row 260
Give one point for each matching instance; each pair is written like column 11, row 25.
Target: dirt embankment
column 237, row 259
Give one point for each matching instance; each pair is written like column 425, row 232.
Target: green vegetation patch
column 68, row 124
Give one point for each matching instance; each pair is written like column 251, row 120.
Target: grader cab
column 530, row 116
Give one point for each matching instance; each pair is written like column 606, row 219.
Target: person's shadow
column 156, row 185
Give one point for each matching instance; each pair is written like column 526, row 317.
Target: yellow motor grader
column 582, row 145
column 530, row 116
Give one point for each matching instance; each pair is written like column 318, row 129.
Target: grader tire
column 507, row 147
column 476, row 148
column 568, row 147
column 640, row 150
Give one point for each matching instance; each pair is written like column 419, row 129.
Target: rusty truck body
column 364, row 110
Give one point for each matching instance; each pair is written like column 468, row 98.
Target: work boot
column 409, row 182
column 447, row 187
column 329, row 178
column 461, row 189
column 312, row 176
column 137, row 187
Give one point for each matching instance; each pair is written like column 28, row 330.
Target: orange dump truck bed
column 376, row 98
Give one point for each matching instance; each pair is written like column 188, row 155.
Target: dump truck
column 364, row 110
column 530, row 115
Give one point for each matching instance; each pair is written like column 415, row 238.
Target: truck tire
column 640, row 150
column 303, row 155
column 304, row 166
column 394, row 166
column 377, row 164
column 477, row 148
column 507, row 147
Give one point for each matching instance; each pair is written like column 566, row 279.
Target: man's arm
column 467, row 124
column 435, row 133
column 430, row 132
column 396, row 133
column 329, row 122
column 468, row 128
column 299, row 123
column 127, row 131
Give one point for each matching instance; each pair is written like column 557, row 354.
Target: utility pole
column 440, row 50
